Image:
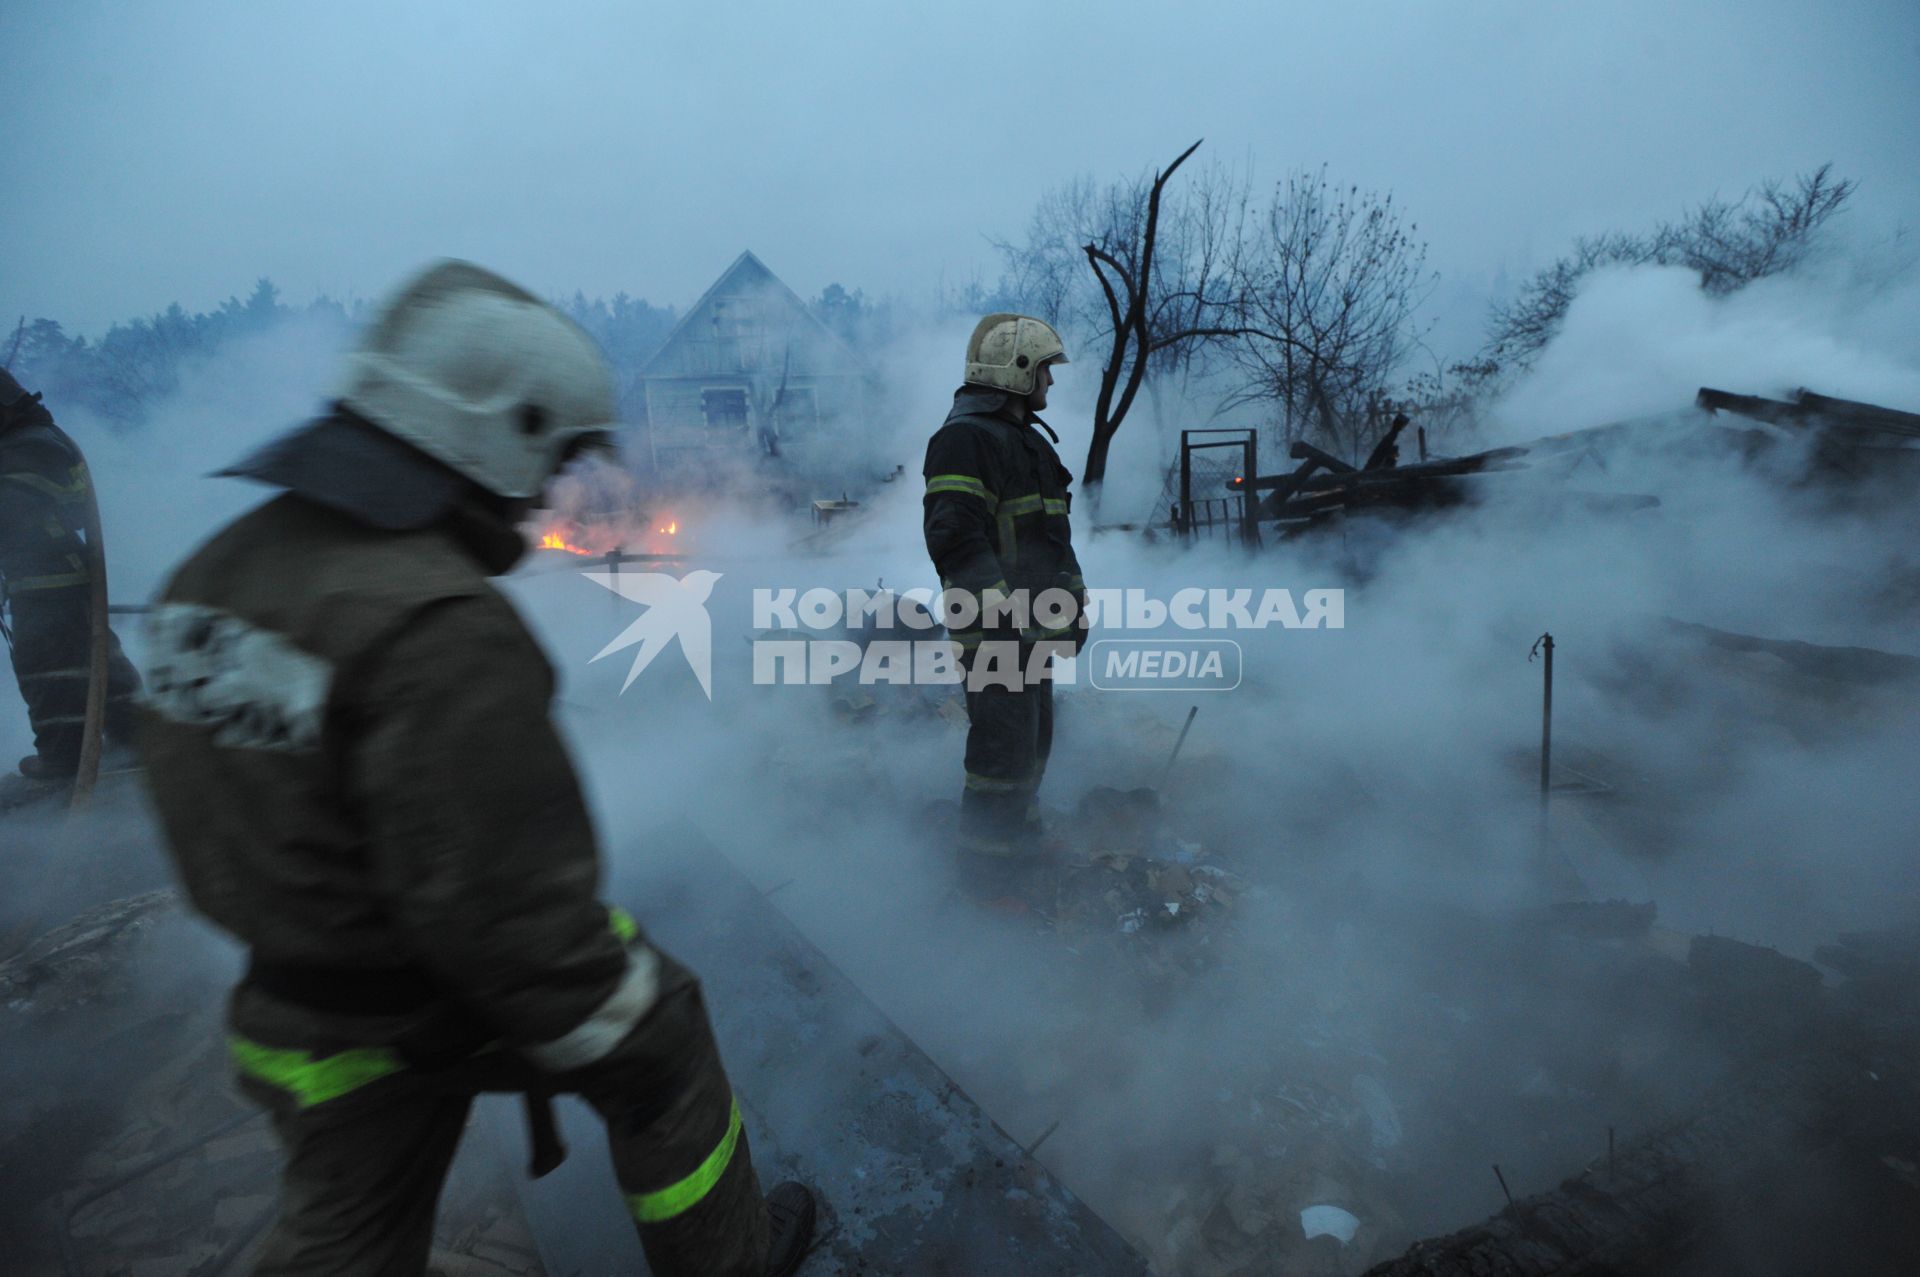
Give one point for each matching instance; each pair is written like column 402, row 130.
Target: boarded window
column 729, row 319
column 724, row 409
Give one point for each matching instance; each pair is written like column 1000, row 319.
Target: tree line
column 137, row 363
column 1306, row 299
column 1303, row 300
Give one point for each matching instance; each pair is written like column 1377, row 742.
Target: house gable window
column 724, row 408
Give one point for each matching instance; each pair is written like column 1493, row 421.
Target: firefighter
column 997, row 529
column 349, row 745
column 44, row 495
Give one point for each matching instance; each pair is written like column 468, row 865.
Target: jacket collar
column 350, row 466
column 984, row 401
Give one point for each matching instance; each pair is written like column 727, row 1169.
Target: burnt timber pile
column 1827, row 440
column 1846, row 439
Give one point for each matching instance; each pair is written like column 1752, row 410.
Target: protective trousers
column 52, row 638
column 1009, row 736
column 369, row 1139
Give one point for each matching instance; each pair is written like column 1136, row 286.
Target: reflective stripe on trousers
column 311, row 1079
column 680, row 1197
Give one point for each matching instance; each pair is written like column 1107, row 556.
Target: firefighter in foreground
column 348, row 739
column 997, row 529
column 44, row 495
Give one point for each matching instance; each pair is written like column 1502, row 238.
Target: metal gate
column 1213, row 498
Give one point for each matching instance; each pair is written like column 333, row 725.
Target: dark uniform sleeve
column 42, row 499
column 1072, row 559
column 964, row 481
column 482, row 844
column 1070, row 578
column 44, row 493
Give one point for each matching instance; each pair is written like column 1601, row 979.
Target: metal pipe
column 1166, row 773
column 1546, row 719
column 94, row 725
column 1543, row 646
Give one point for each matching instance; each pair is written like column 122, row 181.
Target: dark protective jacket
column 996, row 506
column 350, row 750
column 44, row 491
column 44, row 574
column 349, row 745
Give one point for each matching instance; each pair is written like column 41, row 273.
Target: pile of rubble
column 1134, row 890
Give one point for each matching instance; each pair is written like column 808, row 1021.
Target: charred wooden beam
column 1452, row 467
column 1302, row 450
column 1386, row 453
column 1810, row 409
column 1772, row 411
column 1448, row 467
column 1860, row 416
column 1285, row 489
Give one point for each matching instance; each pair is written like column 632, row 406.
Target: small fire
column 672, row 528
column 554, row 541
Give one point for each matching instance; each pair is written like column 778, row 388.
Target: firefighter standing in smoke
column 44, row 492
column 996, row 526
column 349, row 743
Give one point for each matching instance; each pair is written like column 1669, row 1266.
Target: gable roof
column 749, row 274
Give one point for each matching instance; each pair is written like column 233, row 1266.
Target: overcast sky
column 162, row 152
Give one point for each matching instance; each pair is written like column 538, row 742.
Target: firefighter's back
column 250, row 715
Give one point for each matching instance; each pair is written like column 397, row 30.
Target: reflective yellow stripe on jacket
column 1012, row 508
column 65, row 580
column 960, row 483
column 68, row 493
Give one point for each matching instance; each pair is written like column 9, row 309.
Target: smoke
column 1641, row 340
column 1384, row 1018
column 1376, row 782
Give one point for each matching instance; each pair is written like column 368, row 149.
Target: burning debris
column 1209, row 496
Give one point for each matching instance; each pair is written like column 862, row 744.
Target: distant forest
column 139, row 362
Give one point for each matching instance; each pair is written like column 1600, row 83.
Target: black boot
column 789, row 1227
column 40, row 767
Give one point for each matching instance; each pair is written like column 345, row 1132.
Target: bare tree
column 1124, row 269
column 1197, row 267
column 1769, row 230
column 1329, row 285
column 1730, row 243
column 1137, row 271
column 767, row 376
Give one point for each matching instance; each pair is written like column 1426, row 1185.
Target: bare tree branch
column 1729, row 244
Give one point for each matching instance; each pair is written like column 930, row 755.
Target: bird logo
column 676, row 608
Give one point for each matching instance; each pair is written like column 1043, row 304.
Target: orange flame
column 672, row 529
column 554, row 541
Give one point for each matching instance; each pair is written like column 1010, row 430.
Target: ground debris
column 1132, row 887
column 80, row 962
column 124, row 1151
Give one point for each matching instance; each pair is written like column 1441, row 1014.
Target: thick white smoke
column 1361, row 777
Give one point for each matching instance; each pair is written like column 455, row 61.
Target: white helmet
column 1006, row 351
column 483, row 376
